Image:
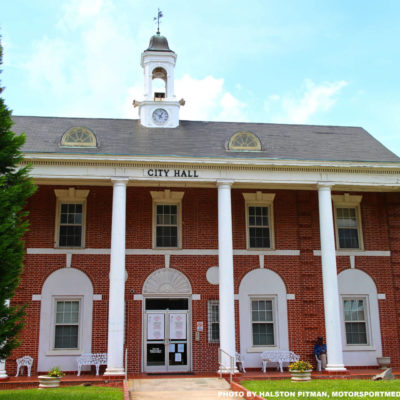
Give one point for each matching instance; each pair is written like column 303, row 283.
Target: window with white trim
column 167, row 219
column 259, row 232
column 78, row 136
column 355, row 321
column 244, row 141
column 348, row 221
column 262, row 322
column 259, row 220
column 213, row 321
column 166, row 225
column 70, row 234
column 66, row 326
column 70, row 218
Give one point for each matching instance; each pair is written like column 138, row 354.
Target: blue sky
column 330, row 62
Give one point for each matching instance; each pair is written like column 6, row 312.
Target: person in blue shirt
column 320, row 351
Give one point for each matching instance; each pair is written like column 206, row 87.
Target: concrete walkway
column 179, row 389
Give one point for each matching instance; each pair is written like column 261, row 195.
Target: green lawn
column 325, row 389
column 64, row 393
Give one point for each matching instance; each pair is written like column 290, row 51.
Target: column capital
column 225, row 182
column 324, row 185
column 120, row 181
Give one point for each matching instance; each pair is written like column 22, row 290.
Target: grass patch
column 325, row 389
column 64, row 393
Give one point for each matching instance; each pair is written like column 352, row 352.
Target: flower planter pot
column 384, row 362
column 301, row 376
column 46, row 382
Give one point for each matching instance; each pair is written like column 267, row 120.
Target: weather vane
column 159, row 15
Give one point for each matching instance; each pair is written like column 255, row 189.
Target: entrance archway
column 167, row 345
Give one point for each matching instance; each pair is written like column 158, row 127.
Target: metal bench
column 278, row 356
column 25, row 361
column 96, row 359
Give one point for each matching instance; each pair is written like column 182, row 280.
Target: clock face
column 160, row 116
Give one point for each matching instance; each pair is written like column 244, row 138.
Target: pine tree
column 15, row 188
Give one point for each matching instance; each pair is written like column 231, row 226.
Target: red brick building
column 171, row 239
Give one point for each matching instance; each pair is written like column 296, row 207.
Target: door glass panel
column 177, row 326
column 155, row 326
column 166, row 304
column 155, row 354
column 177, row 353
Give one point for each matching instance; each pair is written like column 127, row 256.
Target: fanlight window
column 244, row 141
column 79, row 137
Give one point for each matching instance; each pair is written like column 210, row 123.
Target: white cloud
column 79, row 12
column 314, row 99
column 47, row 65
column 206, row 100
column 202, row 96
column 90, row 74
column 232, row 109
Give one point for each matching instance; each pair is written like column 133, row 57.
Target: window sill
column 167, row 248
column 69, row 247
column 349, row 249
column 64, row 352
column 260, row 248
column 261, row 349
column 359, row 348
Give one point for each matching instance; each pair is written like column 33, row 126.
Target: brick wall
column 296, row 227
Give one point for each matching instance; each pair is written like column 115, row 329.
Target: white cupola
column 159, row 109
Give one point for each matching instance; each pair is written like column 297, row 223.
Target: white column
column 3, row 372
column 226, row 288
column 330, row 281
column 116, row 310
column 170, row 84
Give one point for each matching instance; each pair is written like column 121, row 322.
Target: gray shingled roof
column 205, row 139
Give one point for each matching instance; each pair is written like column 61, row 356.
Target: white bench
column 96, row 359
column 278, row 356
column 25, row 361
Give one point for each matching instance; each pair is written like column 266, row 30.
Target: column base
column 3, row 375
column 114, row 372
column 335, row 367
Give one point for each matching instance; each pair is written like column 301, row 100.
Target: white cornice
column 205, row 161
column 252, row 174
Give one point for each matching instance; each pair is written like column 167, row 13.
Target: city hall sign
column 171, row 173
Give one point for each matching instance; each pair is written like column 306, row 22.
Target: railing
column 223, row 367
column 126, row 364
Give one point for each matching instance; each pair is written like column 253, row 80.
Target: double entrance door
column 167, row 345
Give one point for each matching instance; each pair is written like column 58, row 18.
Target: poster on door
column 177, row 326
column 155, row 326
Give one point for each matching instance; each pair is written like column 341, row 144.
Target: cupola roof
column 158, row 43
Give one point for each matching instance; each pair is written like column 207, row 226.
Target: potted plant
column 301, row 371
column 384, row 362
column 52, row 379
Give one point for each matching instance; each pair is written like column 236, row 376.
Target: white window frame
column 210, row 304
column 259, row 199
column 167, row 197
column 357, row 347
column 348, row 201
column 70, row 196
column 264, row 347
column 60, row 351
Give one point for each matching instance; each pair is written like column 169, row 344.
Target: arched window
column 359, row 309
column 159, row 81
column 244, row 141
column 78, row 136
column 265, row 327
column 66, row 308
